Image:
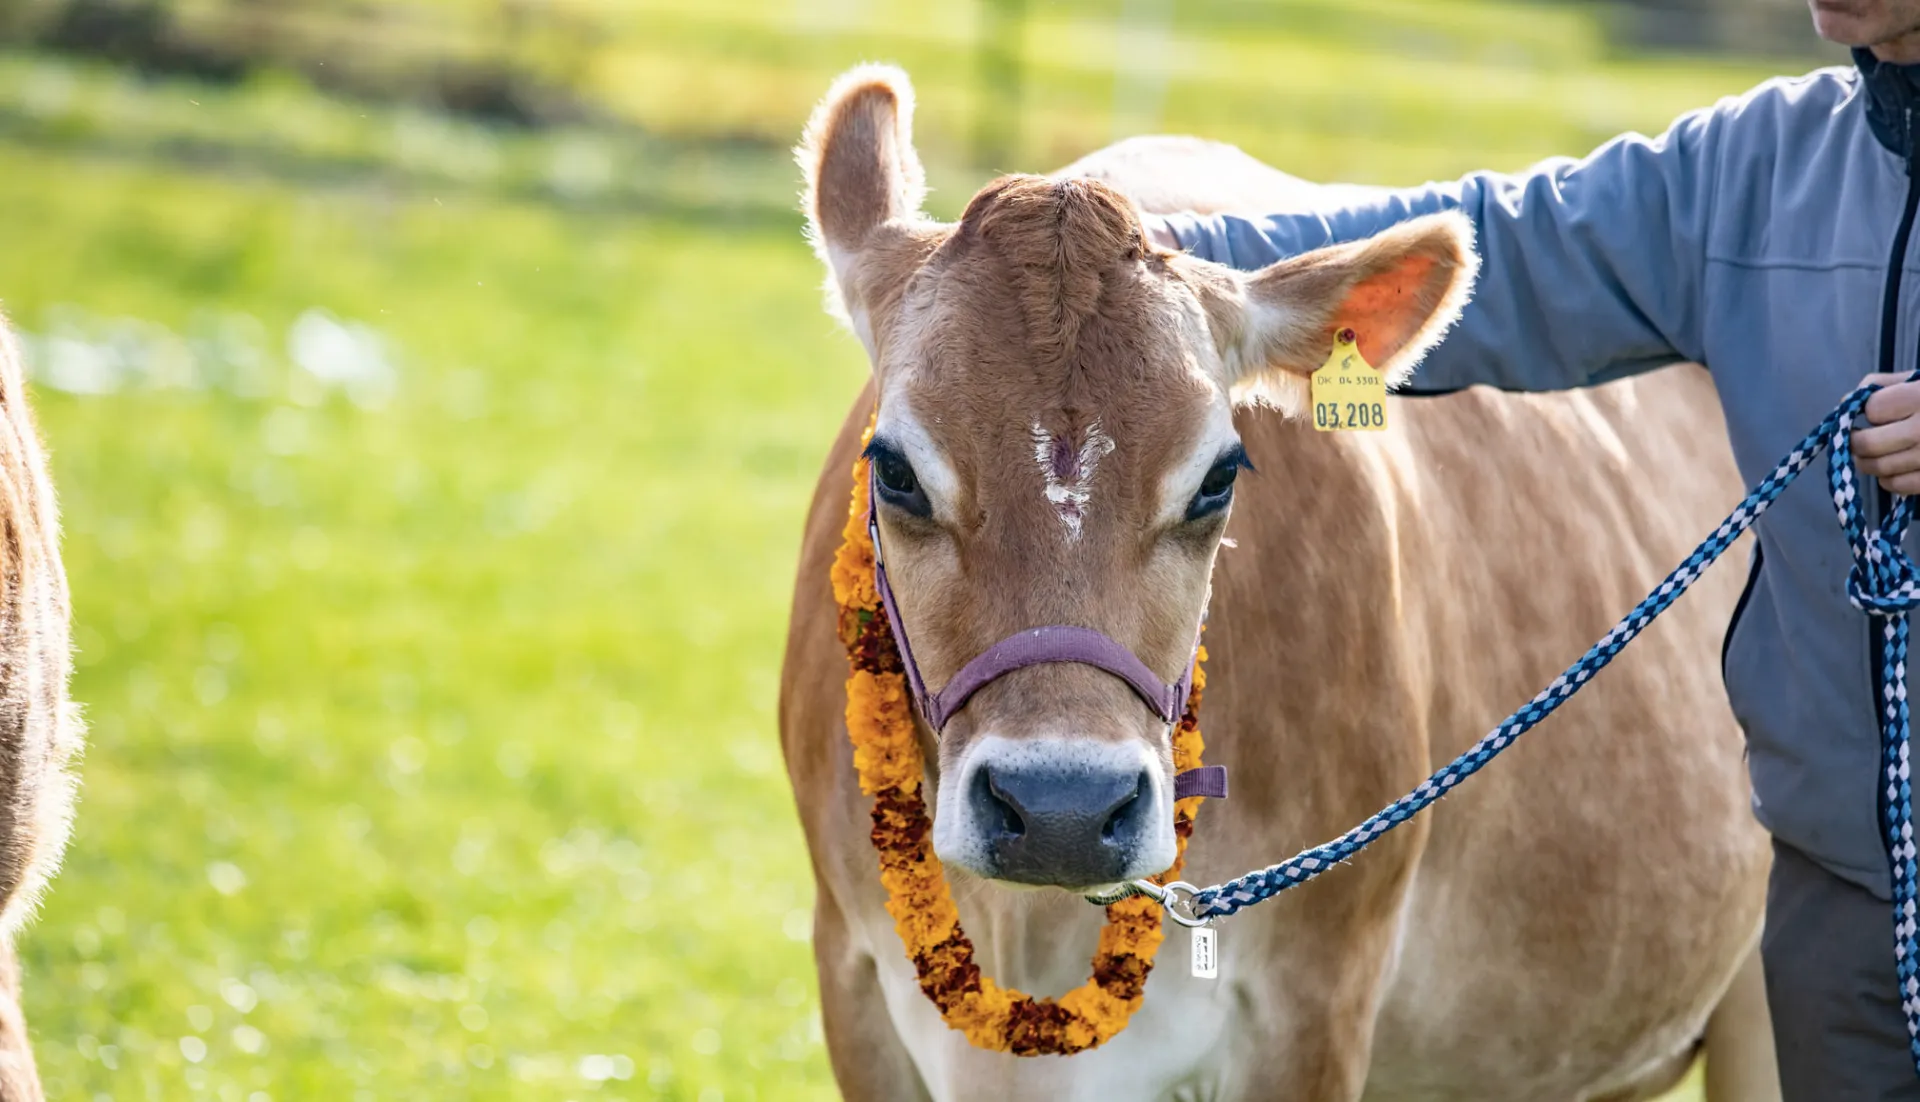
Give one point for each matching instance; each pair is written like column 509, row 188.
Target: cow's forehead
column 1045, row 348
column 1143, row 366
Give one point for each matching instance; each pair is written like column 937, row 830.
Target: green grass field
column 433, row 749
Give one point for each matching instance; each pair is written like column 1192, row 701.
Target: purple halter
column 1034, row 647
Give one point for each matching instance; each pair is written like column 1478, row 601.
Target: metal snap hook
column 1181, row 910
column 1128, row 890
column 1168, row 896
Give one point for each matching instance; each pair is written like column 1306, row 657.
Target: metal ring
column 1173, row 904
column 1168, row 896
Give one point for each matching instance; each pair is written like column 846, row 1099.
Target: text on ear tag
column 1348, row 394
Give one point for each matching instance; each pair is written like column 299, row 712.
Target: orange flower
column 886, row 754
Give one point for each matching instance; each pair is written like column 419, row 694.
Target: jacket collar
column 1893, row 101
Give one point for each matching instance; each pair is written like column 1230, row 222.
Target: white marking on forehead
column 898, row 426
column 1067, row 472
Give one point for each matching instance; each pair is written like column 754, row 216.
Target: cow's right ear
column 1398, row 291
column 864, row 190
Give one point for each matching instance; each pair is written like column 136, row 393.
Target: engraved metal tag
column 1206, row 953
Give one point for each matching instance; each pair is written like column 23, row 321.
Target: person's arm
column 1590, row 270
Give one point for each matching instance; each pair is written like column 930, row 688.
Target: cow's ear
column 1398, row 291
column 864, row 187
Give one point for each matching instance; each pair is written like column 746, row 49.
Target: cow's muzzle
column 1057, row 812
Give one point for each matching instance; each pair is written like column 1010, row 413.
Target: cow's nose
column 1071, row 827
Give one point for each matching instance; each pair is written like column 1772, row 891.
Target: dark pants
column 1828, row 956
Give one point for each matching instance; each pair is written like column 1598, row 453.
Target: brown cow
column 1568, row 926
column 40, row 729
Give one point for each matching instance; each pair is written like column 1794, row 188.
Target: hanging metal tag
column 1206, row 953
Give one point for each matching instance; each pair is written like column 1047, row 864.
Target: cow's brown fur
column 1558, row 931
column 40, row 732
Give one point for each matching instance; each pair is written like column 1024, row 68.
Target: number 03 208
column 1349, row 415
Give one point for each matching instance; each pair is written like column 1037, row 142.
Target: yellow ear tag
column 1348, row 394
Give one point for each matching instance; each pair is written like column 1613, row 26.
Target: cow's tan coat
column 40, row 729
column 1560, row 929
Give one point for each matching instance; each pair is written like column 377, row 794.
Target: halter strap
column 1036, row 647
column 1058, row 643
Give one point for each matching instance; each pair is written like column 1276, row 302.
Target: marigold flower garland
column 886, row 754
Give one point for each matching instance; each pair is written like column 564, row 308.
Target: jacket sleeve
column 1590, row 270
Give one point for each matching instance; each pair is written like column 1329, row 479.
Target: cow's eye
column 1218, row 481
column 899, row 486
column 1216, row 490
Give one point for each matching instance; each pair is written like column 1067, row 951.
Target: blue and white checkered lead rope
column 1882, row 583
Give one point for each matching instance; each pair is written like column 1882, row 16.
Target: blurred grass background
column 434, row 435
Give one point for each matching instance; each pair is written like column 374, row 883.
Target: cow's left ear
column 864, row 186
column 1398, row 291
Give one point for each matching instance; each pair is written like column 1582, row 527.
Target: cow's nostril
column 1000, row 816
column 1125, row 817
column 1071, row 825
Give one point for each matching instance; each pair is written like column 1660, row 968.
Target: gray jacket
column 1766, row 237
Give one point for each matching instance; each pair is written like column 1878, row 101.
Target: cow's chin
column 1062, row 813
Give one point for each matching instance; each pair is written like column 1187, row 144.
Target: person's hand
column 1889, row 449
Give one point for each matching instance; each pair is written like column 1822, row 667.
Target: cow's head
column 1055, row 444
